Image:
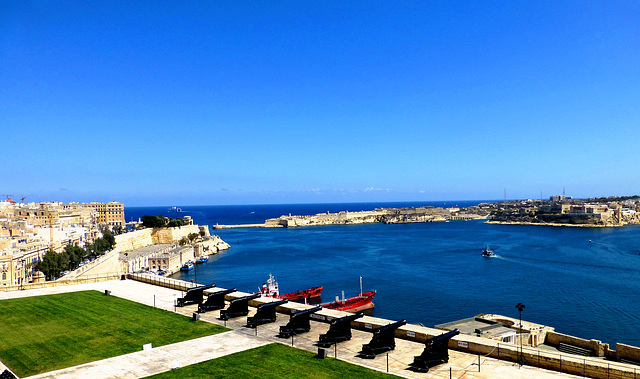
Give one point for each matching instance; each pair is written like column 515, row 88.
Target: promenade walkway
column 159, row 359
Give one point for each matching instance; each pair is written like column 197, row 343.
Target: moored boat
column 353, row 304
column 304, row 294
column 364, row 300
column 187, row 266
column 271, row 289
column 202, row 259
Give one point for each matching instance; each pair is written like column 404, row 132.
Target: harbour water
column 582, row 281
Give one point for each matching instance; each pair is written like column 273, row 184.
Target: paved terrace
column 164, row 358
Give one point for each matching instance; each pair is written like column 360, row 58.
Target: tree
column 192, row 236
column 51, row 264
column 176, row 222
column 153, row 221
column 110, row 238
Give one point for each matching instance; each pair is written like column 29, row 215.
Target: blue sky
column 250, row 102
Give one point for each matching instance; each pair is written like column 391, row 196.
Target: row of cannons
column 436, row 350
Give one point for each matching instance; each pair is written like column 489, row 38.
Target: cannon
column 238, row 307
column 298, row 322
column 436, row 351
column 383, row 340
column 266, row 313
column 193, row 295
column 214, row 301
column 339, row 330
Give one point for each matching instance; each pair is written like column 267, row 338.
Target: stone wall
column 134, row 240
column 627, row 352
column 554, row 339
column 110, row 263
column 172, row 235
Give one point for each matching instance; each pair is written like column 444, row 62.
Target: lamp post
column 520, row 307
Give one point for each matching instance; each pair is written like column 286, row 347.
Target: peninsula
column 557, row 211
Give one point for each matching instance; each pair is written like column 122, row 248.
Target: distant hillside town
column 56, row 241
column 565, row 211
column 29, row 231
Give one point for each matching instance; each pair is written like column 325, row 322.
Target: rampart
column 110, row 262
column 583, row 366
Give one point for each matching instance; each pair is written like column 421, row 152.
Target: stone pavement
column 164, row 358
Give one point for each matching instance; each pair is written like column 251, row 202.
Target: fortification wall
column 600, row 349
column 110, row 263
column 172, row 235
column 627, row 352
column 134, row 240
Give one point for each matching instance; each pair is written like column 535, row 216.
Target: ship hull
column 353, row 304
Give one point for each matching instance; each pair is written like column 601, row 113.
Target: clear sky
column 251, row 102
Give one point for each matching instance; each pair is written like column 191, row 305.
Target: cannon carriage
column 265, row 314
column 382, row 341
column 339, row 330
column 193, row 296
column 298, row 322
column 238, row 307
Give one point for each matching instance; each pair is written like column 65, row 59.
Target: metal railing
column 62, row 282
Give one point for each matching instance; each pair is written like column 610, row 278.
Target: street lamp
column 520, row 307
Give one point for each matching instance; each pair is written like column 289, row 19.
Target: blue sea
column 582, row 281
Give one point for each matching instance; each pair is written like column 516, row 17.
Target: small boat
column 364, row 300
column 202, row 259
column 187, row 266
column 175, row 209
column 271, row 289
column 488, row 252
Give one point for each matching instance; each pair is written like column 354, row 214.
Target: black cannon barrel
column 383, row 340
column 298, row 322
column 272, row 304
column 436, row 351
column 214, row 301
column 442, row 337
column 266, row 313
column 246, row 298
column 238, row 307
column 347, row 318
column 339, row 331
column 305, row 312
column 389, row 327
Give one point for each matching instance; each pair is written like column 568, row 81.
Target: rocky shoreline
column 549, row 224
column 380, row 215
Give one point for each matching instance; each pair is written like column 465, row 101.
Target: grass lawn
column 44, row 333
column 273, row 361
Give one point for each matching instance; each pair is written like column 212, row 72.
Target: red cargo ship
column 305, row 294
column 353, row 304
column 270, row 289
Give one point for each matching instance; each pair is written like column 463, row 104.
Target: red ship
column 353, row 304
column 305, row 294
column 270, row 289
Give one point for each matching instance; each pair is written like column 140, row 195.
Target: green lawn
column 45, row 333
column 273, row 361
